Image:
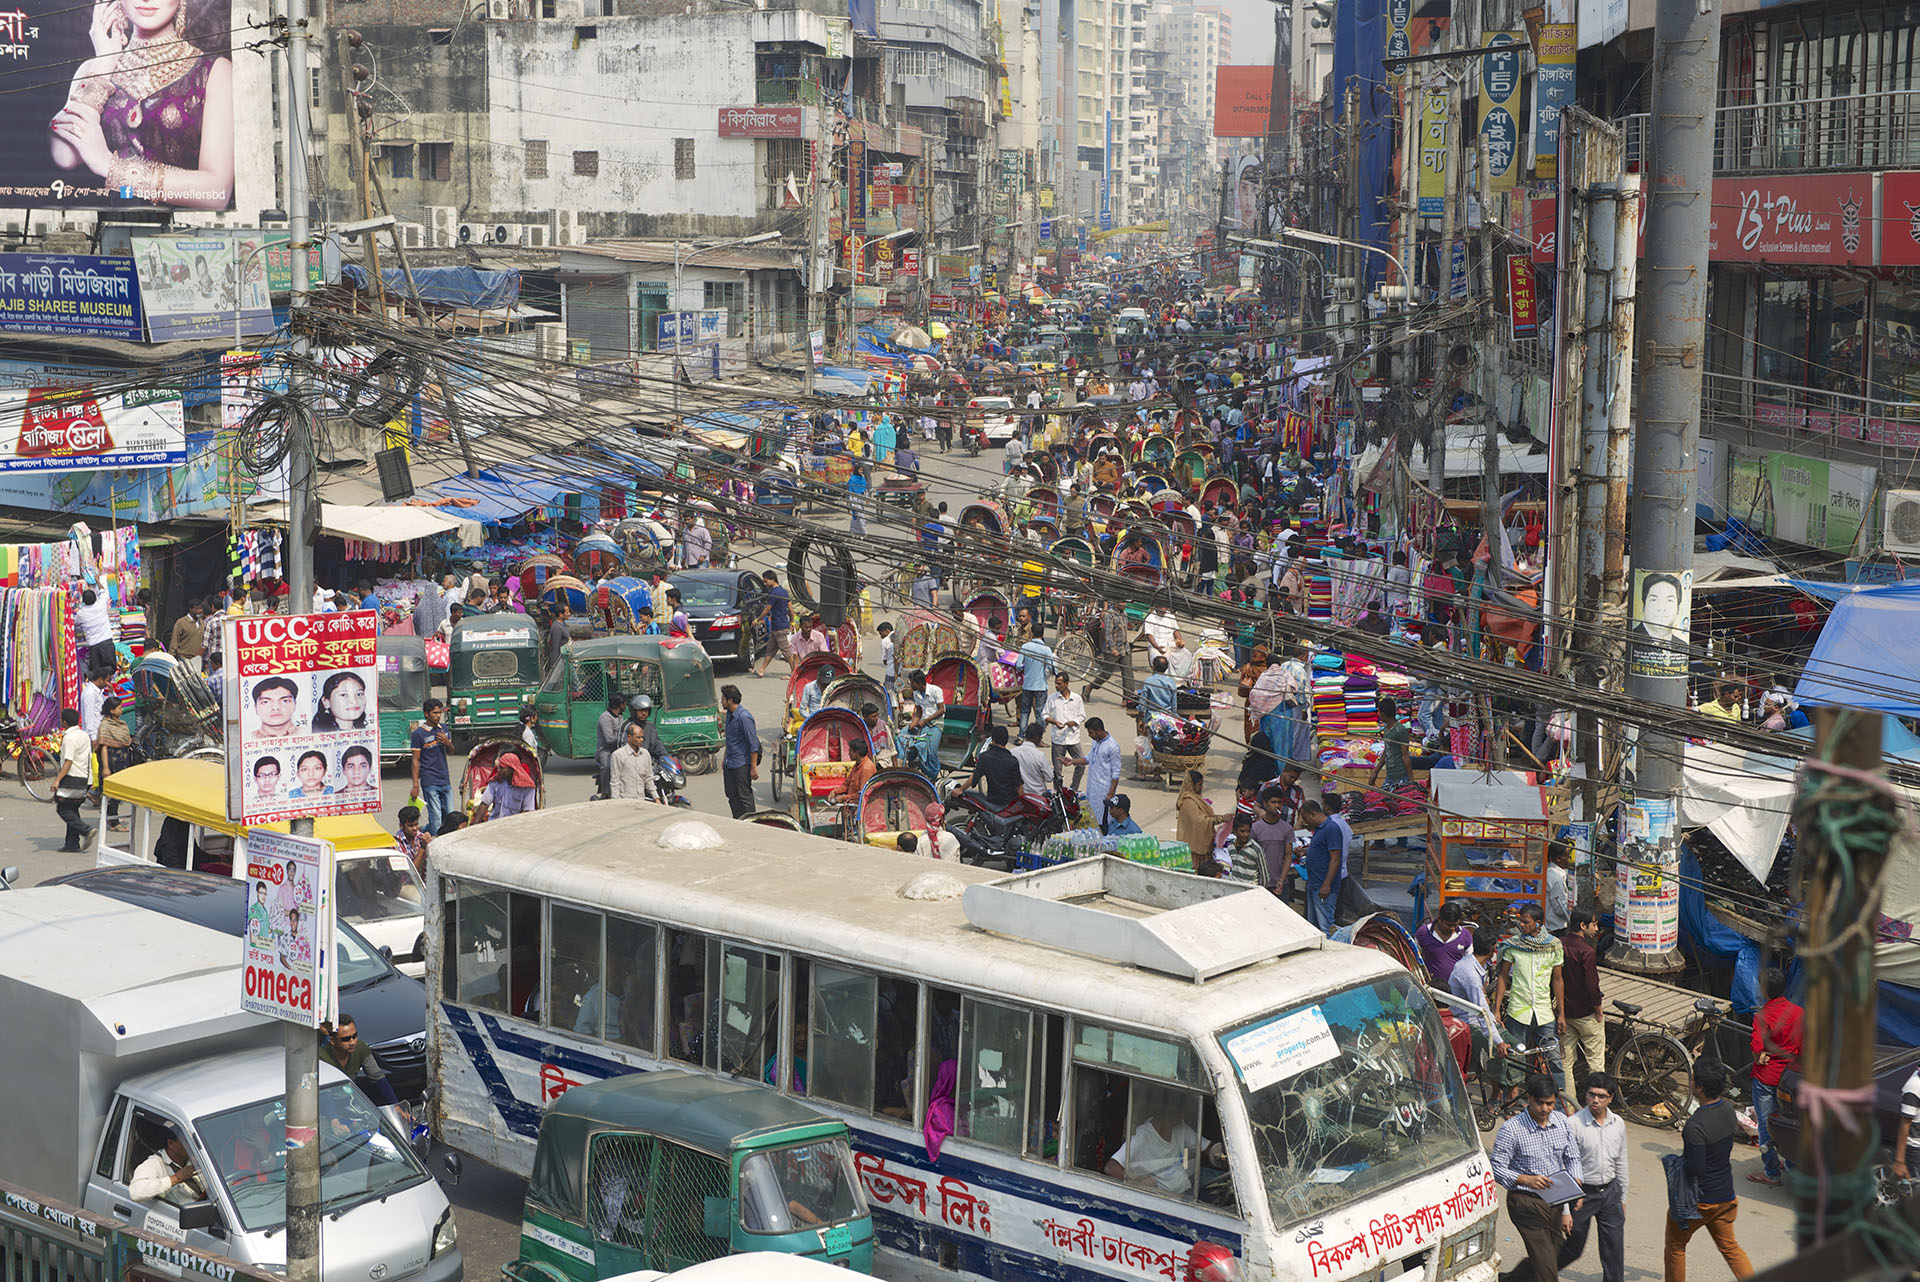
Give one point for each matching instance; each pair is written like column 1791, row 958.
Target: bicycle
column 1653, row 1066
column 1503, row 1080
column 36, row 756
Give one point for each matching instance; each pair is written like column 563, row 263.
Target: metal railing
column 1855, row 131
column 42, row 1240
column 1755, row 412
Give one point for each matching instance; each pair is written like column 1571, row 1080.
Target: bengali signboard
column 1523, row 301
column 303, row 733
column 1434, row 151
column 49, row 429
column 1499, row 100
column 78, row 295
column 1553, row 82
column 288, row 945
column 1900, row 219
column 187, row 283
column 763, row 122
column 154, row 88
column 1812, row 218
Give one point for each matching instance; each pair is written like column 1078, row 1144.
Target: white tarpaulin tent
column 1746, row 798
column 400, row 523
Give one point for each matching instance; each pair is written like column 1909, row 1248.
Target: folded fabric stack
column 1329, row 706
column 1320, row 597
column 1363, row 713
column 1342, row 754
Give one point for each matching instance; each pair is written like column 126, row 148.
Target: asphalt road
column 488, row 1200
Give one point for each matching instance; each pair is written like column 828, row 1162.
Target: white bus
column 1097, row 1071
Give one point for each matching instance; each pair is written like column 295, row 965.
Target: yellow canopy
column 196, row 791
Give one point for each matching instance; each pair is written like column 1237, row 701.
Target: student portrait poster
column 303, row 731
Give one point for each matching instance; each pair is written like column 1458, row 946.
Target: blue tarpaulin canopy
column 447, row 286
column 838, row 380
column 487, row 501
column 1865, row 656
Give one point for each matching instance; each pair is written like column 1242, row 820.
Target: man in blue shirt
column 1322, row 865
column 431, row 782
column 1036, row 671
column 1103, row 767
column 1529, row 1149
column 779, row 622
column 1158, row 693
column 741, row 765
column 1119, row 821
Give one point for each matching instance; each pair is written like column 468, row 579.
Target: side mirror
column 200, row 1215
column 450, row 1166
column 386, row 950
column 9, row 875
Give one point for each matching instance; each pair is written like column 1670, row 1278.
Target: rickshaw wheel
column 36, row 771
column 781, row 765
column 696, row 761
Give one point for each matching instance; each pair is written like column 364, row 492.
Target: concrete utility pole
column 818, row 260
column 1686, row 71
column 1437, row 450
column 303, row 1049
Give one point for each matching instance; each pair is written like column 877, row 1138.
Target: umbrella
column 926, row 364
column 909, row 336
column 938, row 329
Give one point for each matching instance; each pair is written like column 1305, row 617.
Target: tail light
column 1211, row 1262
column 726, row 621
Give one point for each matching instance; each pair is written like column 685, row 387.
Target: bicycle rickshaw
column 483, row 766
column 614, row 606
column 648, row 544
column 894, row 801
column 536, row 570
column 597, row 556
column 822, row 758
column 1140, row 554
column 967, row 695
column 804, row 673
column 857, row 689
column 174, row 711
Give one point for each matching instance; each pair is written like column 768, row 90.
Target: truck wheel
column 696, row 761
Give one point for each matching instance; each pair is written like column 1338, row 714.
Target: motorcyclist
column 640, row 711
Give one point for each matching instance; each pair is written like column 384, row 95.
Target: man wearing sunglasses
column 341, row 1047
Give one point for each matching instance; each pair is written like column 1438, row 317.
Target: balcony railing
column 770, row 92
column 1856, row 131
column 1860, row 425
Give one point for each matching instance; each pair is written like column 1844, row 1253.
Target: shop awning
column 483, row 500
column 400, row 523
column 1864, row 656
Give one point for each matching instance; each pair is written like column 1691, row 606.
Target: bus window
column 575, row 995
column 840, row 1057
column 686, row 996
column 480, row 962
column 895, row 1034
column 795, row 1047
column 1162, row 1151
column 633, row 981
column 523, row 979
column 749, row 1015
column 1128, row 1126
column 940, row 1065
column 1043, row 1138
column 992, row 1105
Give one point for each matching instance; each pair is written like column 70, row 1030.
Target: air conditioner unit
column 1902, row 530
column 500, row 10
column 550, row 341
column 474, row 234
column 414, row 236
column 567, row 229
column 535, row 235
column 445, row 223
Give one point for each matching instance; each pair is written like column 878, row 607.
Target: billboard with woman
column 122, row 103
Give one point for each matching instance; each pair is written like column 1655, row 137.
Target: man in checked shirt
column 1528, row 1151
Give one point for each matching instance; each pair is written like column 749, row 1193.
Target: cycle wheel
column 1654, row 1074
column 779, row 768
column 37, row 767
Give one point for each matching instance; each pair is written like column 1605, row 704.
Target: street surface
column 488, row 1201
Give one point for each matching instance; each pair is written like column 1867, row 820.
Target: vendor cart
column 1487, row 838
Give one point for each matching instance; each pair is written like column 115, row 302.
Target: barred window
column 683, row 158
column 536, row 154
column 586, row 164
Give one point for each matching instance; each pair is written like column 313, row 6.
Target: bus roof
column 196, row 791
column 829, row 899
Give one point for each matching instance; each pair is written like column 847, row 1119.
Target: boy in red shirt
column 1776, row 1048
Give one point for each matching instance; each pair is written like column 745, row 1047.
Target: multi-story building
column 938, row 77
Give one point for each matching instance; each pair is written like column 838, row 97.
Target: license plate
column 839, row 1239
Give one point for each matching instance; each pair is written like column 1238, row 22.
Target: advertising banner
column 680, row 329
column 1601, row 21
column 1646, row 895
column 1552, row 93
column 1817, row 502
column 303, row 733
column 151, row 88
column 73, row 294
column 1399, row 44
column 1811, row 218
column 280, row 263
column 1523, row 302
column 187, row 283
column 1433, row 152
column 1499, row 103
column 764, row 122
column 910, row 262
column 287, row 953
column 1241, row 96
column 45, row 429
column 857, row 186
column 1900, row 219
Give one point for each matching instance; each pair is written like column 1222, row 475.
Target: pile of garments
column 1403, row 803
column 1182, row 736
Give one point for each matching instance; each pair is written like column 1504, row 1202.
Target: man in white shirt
column 1602, row 1136
column 167, row 1176
column 630, row 768
column 1033, row 399
column 93, row 698
column 94, row 622
column 1016, row 451
column 1036, row 768
column 1164, row 1152
column 1179, row 659
column 1064, row 713
column 1158, row 628
column 73, row 776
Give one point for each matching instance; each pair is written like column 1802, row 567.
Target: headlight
column 1464, row 1250
column 444, row 1234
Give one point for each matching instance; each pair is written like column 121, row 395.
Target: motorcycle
column 669, row 779
column 995, row 836
column 976, row 439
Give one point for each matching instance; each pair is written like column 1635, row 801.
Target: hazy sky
column 1252, row 29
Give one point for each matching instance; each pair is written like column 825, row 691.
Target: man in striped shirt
column 1242, row 858
column 1528, row 1151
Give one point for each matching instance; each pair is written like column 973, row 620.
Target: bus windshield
column 1348, row 1095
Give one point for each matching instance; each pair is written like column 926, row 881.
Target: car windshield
column 355, row 959
column 697, row 593
column 801, row 1186
column 359, row 1158
column 1348, row 1095
column 376, row 886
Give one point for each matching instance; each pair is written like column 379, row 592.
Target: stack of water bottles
column 1083, row 843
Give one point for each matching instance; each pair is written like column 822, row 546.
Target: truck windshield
column 358, row 1157
column 1348, row 1095
column 802, row 1186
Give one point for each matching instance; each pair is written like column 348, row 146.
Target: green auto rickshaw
column 667, row 1169
column 674, row 671
column 404, row 683
column 493, row 670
